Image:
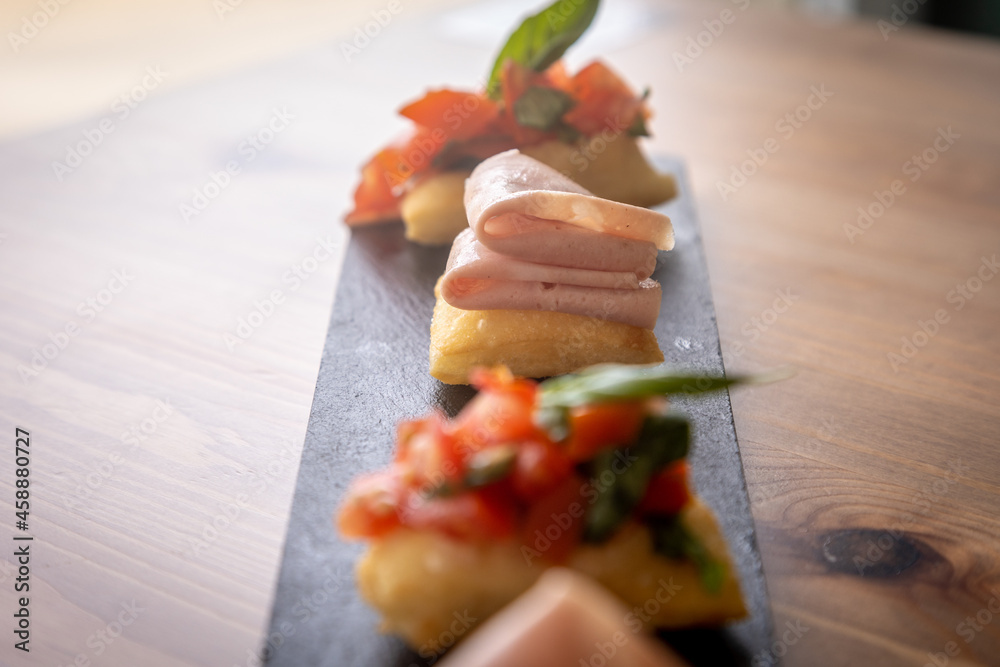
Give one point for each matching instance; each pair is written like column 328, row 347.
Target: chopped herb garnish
column 638, row 127
column 543, row 38
column 671, row 538
column 541, row 108
column 624, row 474
column 609, row 382
column 485, row 467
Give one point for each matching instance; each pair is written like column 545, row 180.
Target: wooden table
column 874, row 473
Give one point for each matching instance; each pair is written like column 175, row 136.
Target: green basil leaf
column 490, row 465
column 672, row 539
column 485, row 467
column 621, row 476
column 554, row 420
column 619, row 382
column 543, row 38
column 541, row 108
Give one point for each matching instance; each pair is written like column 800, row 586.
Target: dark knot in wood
column 868, row 552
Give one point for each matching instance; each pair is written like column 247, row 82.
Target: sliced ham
column 470, row 259
column 514, row 183
column 479, row 279
column 565, row 244
column 539, row 241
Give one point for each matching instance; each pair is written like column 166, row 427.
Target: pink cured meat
column 479, row 279
column 539, row 241
column 512, row 183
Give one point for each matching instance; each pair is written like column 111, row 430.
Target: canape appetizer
column 587, row 472
column 584, row 125
column 547, row 279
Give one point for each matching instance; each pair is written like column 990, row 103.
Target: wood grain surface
column 874, row 479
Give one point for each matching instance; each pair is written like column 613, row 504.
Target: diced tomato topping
column 604, row 101
column 453, row 127
column 371, row 505
column 482, row 513
column 554, row 523
column 458, row 114
column 431, row 455
column 601, row 425
column 668, row 491
column 385, row 176
column 374, row 199
column 540, row 466
column 442, row 480
column 515, row 79
column 502, row 411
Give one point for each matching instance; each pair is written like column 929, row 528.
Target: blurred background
column 64, row 60
column 980, row 16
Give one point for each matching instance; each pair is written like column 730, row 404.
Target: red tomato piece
column 515, row 79
column 604, row 101
column 540, row 467
column 554, row 524
column 501, row 412
column 601, row 425
column 371, row 505
column 429, row 452
column 668, row 491
column 481, row 514
column 374, row 199
column 458, row 114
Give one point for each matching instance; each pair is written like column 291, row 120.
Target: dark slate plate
column 374, row 373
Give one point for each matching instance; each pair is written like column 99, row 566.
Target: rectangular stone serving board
column 374, row 372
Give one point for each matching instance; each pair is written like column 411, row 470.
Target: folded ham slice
column 478, row 278
column 512, row 183
column 539, row 241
